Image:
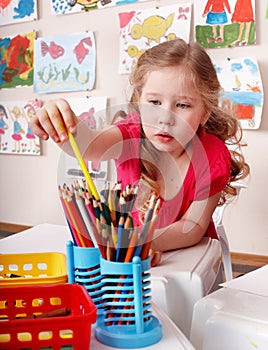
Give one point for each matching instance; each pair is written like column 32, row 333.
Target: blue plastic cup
column 83, row 266
column 127, row 320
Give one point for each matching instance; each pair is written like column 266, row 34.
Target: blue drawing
column 236, row 67
column 61, row 6
column 243, row 92
column 125, row 2
column 252, row 65
column 25, row 8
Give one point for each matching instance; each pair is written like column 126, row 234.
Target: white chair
column 217, row 218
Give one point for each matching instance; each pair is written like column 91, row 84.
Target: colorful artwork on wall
column 92, row 111
column 243, row 91
column 16, row 11
column 226, row 23
column 73, row 6
column 16, row 60
column 140, row 30
column 64, row 63
column 15, row 134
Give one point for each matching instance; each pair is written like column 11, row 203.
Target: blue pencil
column 119, row 248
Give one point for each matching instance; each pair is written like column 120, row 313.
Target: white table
column 183, row 277
column 234, row 317
column 53, row 238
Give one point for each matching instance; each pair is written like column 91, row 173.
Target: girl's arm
column 189, row 230
column 56, row 118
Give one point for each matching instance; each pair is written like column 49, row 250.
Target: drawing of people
column 31, row 109
column 243, row 14
column 3, row 124
column 215, row 11
column 17, row 129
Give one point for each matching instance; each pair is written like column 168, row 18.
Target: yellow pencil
column 83, row 167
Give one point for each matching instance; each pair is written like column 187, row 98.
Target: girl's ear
column 205, row 118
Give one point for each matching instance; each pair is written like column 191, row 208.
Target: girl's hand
column 54, row 120
column 155, row 258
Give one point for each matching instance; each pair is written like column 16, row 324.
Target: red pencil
column 70, row 219
column 81, row 228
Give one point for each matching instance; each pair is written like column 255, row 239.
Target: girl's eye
column 155, row 102
column 182, row 105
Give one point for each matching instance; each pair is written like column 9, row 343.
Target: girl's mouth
column 164, row 137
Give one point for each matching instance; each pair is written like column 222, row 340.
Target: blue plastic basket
column 83, row 266
column 127, row 320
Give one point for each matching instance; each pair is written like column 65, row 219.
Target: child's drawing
column 244, row 15
column 215, row 13
column 140, row 30
column 243, row 91
column 16, row 11
column 16, row 60
column 15, row 134
column 92, row 111
column 73, row 6
column 222, row 23
column 3, row 127
column 65, row 63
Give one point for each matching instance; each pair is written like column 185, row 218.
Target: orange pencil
column 132, row 245
column 72, row 223
column 146, row 246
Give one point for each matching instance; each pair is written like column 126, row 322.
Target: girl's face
column 171, row 110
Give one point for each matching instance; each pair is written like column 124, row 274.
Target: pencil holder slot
column 127, row 320
column 83, row 266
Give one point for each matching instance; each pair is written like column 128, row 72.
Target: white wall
column 28, row 184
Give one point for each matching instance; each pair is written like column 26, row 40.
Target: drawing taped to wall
column 15, row 135
column 16, row 11
column 16, row 60
column 225, row 23
column 73, row 6
column 140, row 30
column 243, row 90
column 64, row 63
column 92, row 111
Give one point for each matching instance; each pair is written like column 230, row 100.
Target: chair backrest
column 218, row 221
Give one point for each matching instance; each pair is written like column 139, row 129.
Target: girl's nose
column 166, row 117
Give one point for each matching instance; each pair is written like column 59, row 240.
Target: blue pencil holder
column 127, row 320
column 83, row 267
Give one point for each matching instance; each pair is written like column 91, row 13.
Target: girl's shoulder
column 212, row 143
column 215, row 150
column 129, row 126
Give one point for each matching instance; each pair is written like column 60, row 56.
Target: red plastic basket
column 28, row 321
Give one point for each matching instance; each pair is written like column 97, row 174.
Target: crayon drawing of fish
column 53, row 49
column 81, row 51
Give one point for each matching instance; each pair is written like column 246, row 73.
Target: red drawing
column 182, row 12
column 54, row 50
column 81, row 51
column 18, row 57
column 125, row 18
column 244, row 15
column 4, row 3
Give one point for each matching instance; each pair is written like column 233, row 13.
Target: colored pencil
column 107, row 222
column 147, row 243
column 83, row 166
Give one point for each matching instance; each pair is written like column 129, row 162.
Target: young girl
column 172, row 141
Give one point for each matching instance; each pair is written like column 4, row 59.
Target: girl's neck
column 172, row 172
